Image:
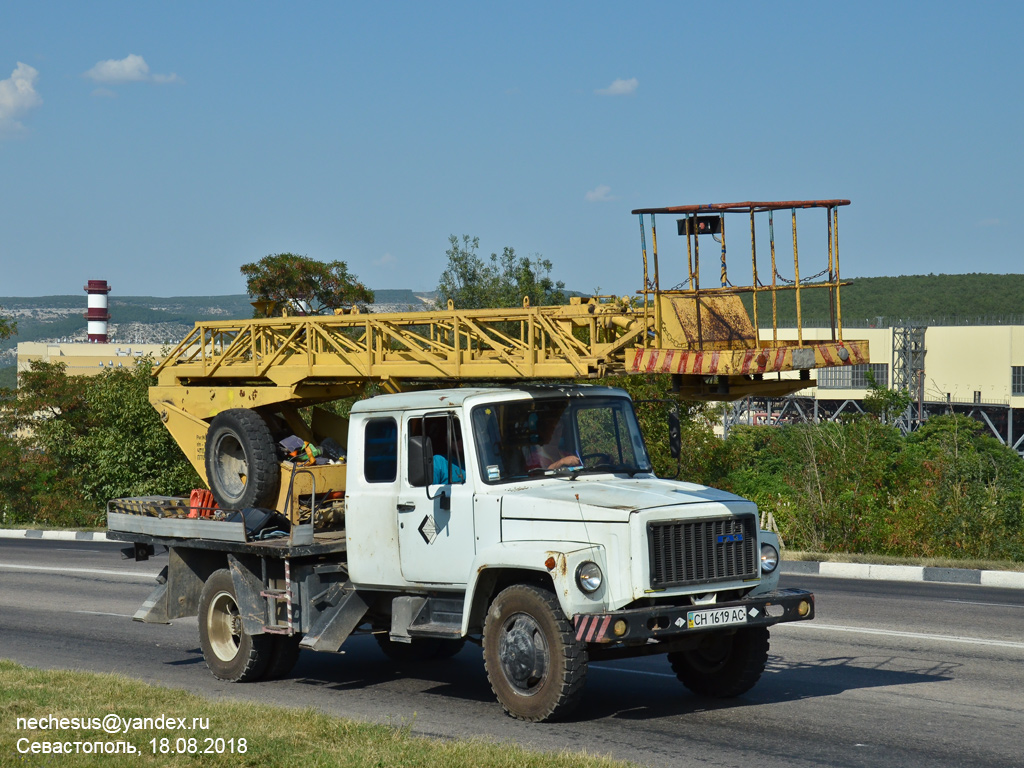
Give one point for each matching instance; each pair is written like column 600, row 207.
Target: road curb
column 1010, row 579
column 31, row 533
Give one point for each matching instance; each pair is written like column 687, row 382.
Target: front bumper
column 670, row 622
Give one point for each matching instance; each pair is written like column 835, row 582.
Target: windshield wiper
column 595, row 468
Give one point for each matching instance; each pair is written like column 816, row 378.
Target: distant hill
column 972, row 299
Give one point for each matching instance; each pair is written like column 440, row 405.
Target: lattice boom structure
column 704, row 337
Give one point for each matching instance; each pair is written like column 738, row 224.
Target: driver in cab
column 556, row 452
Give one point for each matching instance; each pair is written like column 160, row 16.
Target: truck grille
column 703, row 551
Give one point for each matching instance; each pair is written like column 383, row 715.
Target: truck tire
column 230, row 653
column 446, row 649
column 534, row 662
column 724, row 665
column 284, row 652
column 419, row 650
column 241, row 461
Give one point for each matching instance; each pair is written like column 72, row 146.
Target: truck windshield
column 534, row 438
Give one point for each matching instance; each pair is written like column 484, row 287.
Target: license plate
column 717, row 617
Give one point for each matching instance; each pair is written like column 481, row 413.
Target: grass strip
column 272, row 735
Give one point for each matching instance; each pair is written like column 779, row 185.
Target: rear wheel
column 284, row 653
column 230, row 653
column 420, row 649
column 535, row 665
column 241, row 461
column 723, row 666
column 446, row 649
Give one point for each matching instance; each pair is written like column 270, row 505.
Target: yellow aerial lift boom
column 705, row 337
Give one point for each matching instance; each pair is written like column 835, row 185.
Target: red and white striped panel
column 592, row 629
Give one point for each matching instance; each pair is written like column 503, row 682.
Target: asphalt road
column 888, row 674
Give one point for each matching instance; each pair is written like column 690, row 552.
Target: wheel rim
column 225, row 626
column 523, row 653
column 232, row 469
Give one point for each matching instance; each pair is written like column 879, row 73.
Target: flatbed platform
column 217, row 535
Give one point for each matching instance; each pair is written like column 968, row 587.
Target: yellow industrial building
column 962, row 364
column 87, row 358
column 976, row 370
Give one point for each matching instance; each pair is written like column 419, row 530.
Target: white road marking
column 84, row 571
column 634, row 671
column 976, row 602
column 911, row 635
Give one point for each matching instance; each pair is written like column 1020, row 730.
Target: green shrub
column 74, row 442
column 859, row 486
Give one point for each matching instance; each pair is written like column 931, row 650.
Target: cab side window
column 380, row 451
column 435, row 451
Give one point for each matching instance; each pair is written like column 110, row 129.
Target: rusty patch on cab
column 561, row 563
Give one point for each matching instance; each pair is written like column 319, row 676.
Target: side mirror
column 675, row 442
column 421, row 461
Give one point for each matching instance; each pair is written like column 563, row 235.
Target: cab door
column 436, row 534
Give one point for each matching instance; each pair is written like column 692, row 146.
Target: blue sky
column 161, row 145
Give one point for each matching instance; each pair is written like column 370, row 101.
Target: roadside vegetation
column 272, row 735
column 68, row 444
column 858, row 487
column 945, row 491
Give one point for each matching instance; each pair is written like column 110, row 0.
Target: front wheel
column 534, row 663
column 230, row 653
column 723, row 666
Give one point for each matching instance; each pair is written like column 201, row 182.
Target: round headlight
column 769, row 558
column 589, row 577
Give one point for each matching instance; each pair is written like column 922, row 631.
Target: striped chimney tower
column 97, row 315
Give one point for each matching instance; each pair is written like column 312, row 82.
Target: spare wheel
column 241, row 462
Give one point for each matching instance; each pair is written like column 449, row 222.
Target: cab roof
column 458, row 397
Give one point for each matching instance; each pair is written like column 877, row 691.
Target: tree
column 653, row 400
column 304, row 284
column 7, row 327
column 887, row 404
column 74, row 442
column 504, row 281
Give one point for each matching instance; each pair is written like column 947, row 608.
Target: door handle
column 406, row 506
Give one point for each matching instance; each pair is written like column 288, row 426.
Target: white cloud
column 384, row 260
column 600, row 194
column 131, row 69
column 17, row 96
column 619, row 87
column 989, row 223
